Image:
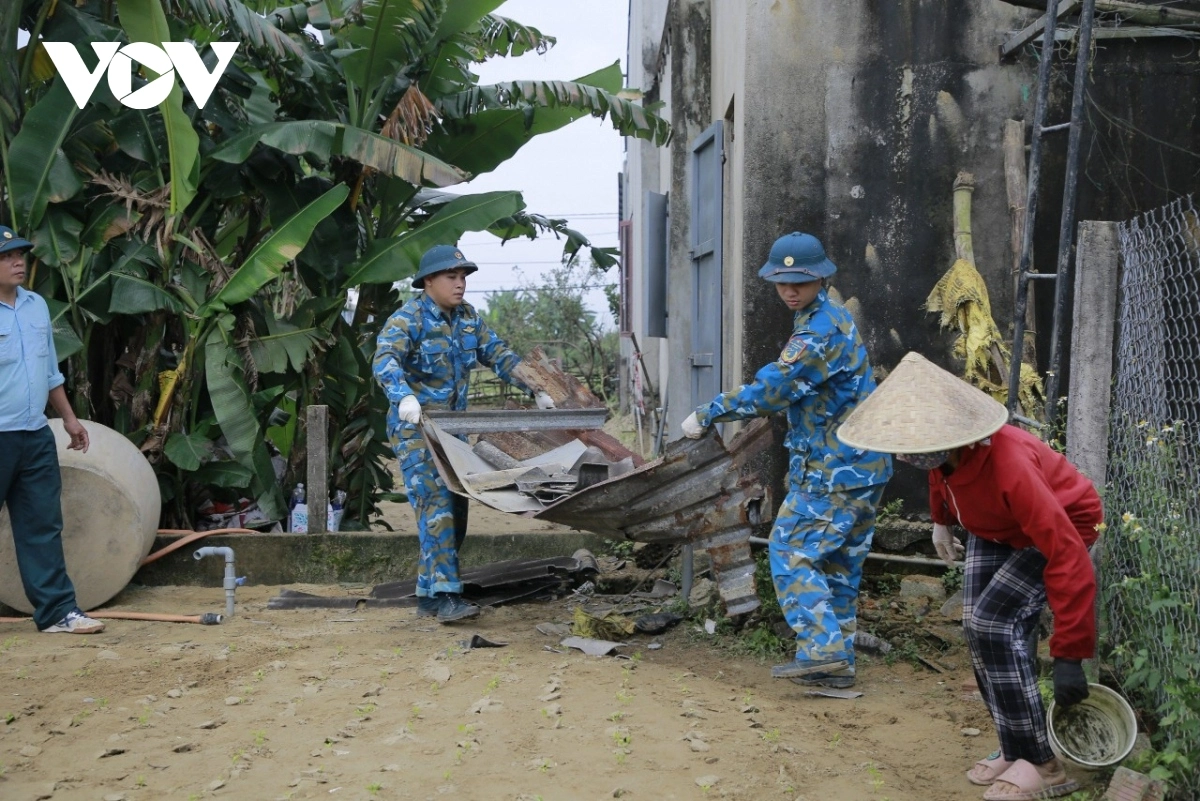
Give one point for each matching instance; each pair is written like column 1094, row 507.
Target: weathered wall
column 728, row 93
column 645, row 169
column 688, row 27
column 859, row 114
column 851, row 120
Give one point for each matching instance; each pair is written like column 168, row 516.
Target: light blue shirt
column 28, row 362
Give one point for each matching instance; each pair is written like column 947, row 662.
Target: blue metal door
column 706, row 215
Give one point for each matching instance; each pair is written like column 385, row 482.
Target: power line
column 524, row 239
column 515, row 263
column 535, row 289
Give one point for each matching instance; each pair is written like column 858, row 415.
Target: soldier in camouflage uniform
column 423, row 358
column 824, row 528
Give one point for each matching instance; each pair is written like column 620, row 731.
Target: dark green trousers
column 31, row 489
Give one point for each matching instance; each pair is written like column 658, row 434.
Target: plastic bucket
column 1098, row 732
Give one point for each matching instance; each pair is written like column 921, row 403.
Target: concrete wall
column 728, row 94
column 646, row 167
column 688, row 33
column 859, row 114
column 850, row 120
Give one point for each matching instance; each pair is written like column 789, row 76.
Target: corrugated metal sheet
column 699, row 491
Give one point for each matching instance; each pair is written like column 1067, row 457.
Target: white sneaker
column 76, row 622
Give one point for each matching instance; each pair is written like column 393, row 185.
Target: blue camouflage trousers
column 441, row 518
column 817, row 549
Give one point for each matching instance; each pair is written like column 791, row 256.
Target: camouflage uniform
column 421, row 351
column 824, row 528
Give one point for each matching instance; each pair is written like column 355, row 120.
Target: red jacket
column 1020, row 492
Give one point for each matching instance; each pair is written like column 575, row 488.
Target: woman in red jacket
column 1031, row 516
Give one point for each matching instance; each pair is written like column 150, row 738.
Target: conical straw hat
column 921, row 408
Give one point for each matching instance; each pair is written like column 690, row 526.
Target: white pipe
column 230, row 577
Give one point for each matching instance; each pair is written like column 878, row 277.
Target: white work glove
column 691, row 427
column 543, row 399
column 948, row 546
column 410, row 409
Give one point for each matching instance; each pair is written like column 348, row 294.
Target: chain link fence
column 1150, row 573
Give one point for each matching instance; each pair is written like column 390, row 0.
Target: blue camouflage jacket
column 421, row 351
column 821, row 375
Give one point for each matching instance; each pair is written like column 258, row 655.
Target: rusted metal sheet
column 517, row 420
column 700, row 492
column 536, row 370
column 489, row 585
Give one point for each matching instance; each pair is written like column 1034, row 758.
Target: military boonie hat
column 440, row 258
column 797, row 258
column 921, row 408
column 10, row 241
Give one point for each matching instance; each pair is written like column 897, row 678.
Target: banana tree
column 199, row 261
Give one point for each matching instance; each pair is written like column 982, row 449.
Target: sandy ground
column 378, row 704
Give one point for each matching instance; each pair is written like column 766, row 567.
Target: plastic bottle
column 336, row 510
column 298, row 517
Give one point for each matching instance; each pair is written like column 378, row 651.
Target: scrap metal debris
column 590, row 646
column 477, row 641
column 489, row 585
column 698, row 492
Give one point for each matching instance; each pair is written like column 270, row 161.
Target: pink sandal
column 988, row 769
column 1023, row 782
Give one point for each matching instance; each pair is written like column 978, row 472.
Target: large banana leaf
column 234, row 409
column 134, row 295
column 285, row 345
column 66, row 342
column 188, row 451
column 39, row 172
column 470, row 33
column 264, row 264
column 145, row 21
column 480, row 132
column 223, row 474
column 246, row 24
column 395, row 259
column 10, row 91
column 56, row 240
column 626, row 116
column 389, row 35
column 322, row 139
column 462, row 15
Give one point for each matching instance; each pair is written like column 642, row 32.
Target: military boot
column 453, row 608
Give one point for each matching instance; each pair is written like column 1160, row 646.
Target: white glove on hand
column 692, row 428
column 410, row 409
column 948, row 546
column 543, row 400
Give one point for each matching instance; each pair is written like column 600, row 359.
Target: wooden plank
column 1031, row 32
column 1129, row 32
column 1016, row 187
column 1130, row 11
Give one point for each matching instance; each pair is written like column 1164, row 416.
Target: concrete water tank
column 110, row 504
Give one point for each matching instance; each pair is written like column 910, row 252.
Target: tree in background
column 198, row 262
column 554, row 314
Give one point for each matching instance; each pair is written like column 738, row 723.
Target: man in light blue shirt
column 30, row 480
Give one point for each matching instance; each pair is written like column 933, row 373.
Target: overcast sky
column 569, row 173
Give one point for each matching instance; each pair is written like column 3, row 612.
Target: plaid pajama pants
column 1003, row 596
